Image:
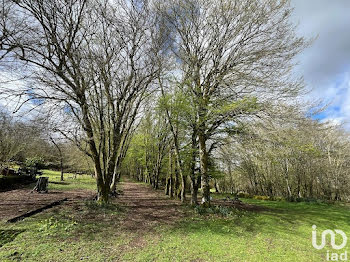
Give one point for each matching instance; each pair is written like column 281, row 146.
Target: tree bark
column 167, row 183
column 61, row 157
column 171, row 181
column 194, row 190
column 194, row 179
column 203, row 156
column 115, row 180
column 62, row 171
column 216, row 186
column 183, row 189
column 177, row 184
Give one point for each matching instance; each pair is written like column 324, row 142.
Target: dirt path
column 147, row 208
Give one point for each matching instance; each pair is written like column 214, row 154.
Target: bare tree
column 92, row 63
column 10, row 134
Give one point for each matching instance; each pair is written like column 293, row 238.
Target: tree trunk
column 102, row 191
column 203, row 157
column 177, row 184
column 157, row 173
column 289, row 190
column 194, row 180
column 103, row 186
column 171, row 189
column 194, row 190
column 183, row 189
column 171, row 181
column 180, row 193
column 287, row 181
column 62, row 173
column 177, row 150
column 167, row 186
column 115, row 180
column 61, row 156
column 156, row 182
column 216, row 186
column 41, row 184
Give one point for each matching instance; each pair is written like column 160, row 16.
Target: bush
column 308, row 200
column 243, row 195
column 34, row 162
column 9, row 182
column 262, row 198
column 277, row 198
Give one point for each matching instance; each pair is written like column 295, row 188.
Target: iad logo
column 324, row 234
column 332, row 234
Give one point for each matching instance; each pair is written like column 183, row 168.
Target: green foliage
column 243, row 195
column 302, row 161
column 261, row 197
column 247, row 105
column 36, row 162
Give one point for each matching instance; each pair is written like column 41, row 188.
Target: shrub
column 36, row 162
column 262, row 198
column 243, row 195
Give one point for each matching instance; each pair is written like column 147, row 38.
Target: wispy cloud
column 326, row 64
column 338, row 98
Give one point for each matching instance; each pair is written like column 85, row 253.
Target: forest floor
column 18, row 202
column 144, row 225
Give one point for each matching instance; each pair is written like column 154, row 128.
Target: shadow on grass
column 327, row 216
column 59, row 183
column 279, row 218
column 8, row 235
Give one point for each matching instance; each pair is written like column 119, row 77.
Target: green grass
column 72, row 233
column 69, row 183
column 90, row 232
column 280, row 233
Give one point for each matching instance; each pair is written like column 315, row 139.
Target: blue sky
column 326, row 64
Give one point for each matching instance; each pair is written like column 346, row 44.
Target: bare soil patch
column 17, row 202
column 147, row 208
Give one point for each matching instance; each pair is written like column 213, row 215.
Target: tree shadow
column 59, row 183
column 282, row 219
column 8, row 235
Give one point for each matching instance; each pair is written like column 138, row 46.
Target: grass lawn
column 70, row 182
column 282, row 233
column 88, row 232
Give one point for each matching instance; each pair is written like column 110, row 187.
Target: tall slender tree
column 233, row 57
